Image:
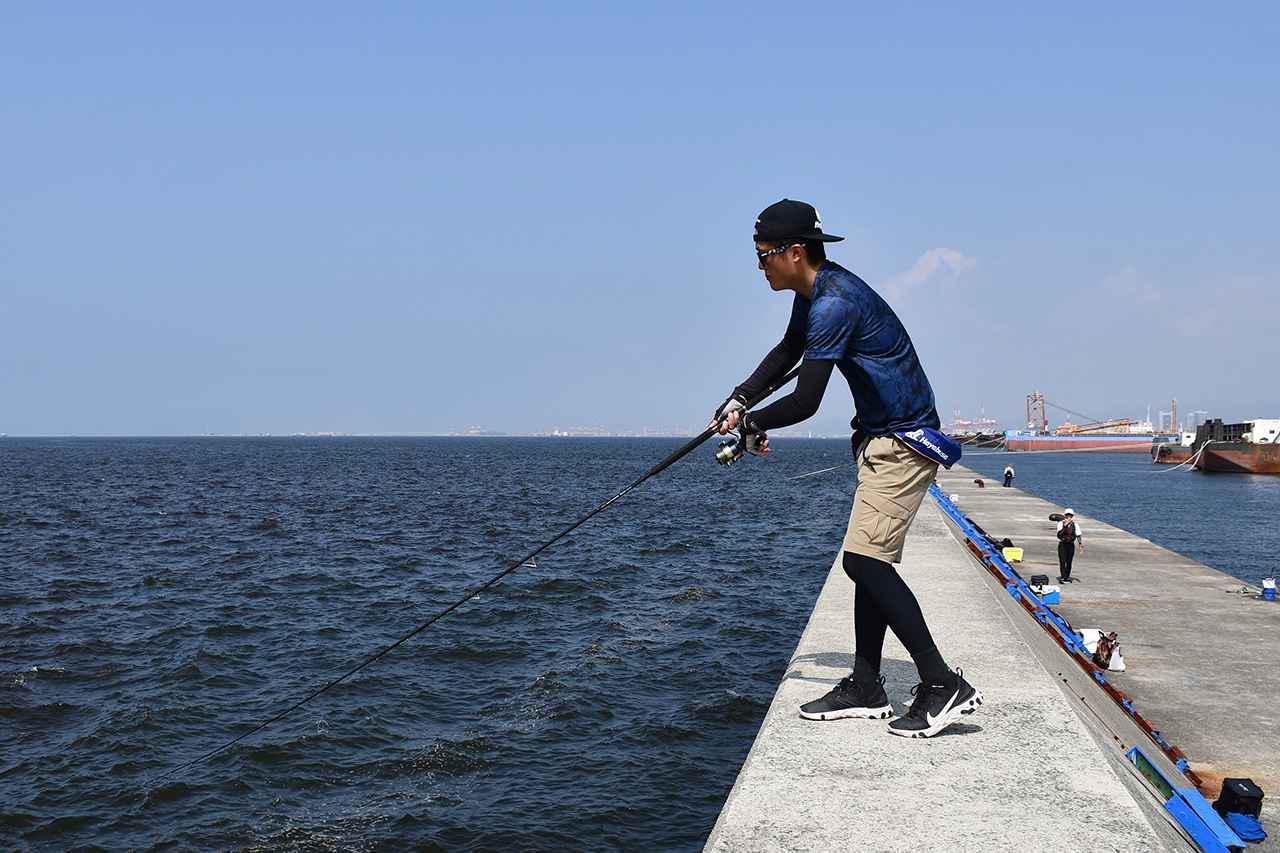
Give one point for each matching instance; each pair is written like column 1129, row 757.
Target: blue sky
column 402, row 218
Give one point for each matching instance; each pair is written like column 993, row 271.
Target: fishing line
column 1008, row 454
column 655, row 470
column 823, row 471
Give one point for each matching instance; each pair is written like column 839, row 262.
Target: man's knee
column 860, row 567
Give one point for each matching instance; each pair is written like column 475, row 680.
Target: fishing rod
column 729, row 448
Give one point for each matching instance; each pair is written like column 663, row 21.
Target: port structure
column 1038, row 422
column 1093, row 426
column 1036, row 418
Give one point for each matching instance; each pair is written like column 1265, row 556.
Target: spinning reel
column 730, row 450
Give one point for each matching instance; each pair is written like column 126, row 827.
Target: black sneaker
column 937, row 706
column 850, row 698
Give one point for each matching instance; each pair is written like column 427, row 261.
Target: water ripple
column 177, row 591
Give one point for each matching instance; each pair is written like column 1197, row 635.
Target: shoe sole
column 851, row 713
column 953, row 716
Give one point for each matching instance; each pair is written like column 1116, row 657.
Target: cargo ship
column 980, row 432
column 1130, row 442
column 1248, row 447
column 1118, row 434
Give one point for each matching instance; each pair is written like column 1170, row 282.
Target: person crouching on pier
column 1008, row 476
column 838, row 321
column 1070, row 536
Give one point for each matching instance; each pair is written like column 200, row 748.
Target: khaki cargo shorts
column 892, row 481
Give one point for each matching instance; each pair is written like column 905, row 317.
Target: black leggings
column 883, row 600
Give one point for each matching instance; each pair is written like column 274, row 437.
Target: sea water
column 158, row 597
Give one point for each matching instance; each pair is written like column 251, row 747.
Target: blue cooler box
column 1048, row 594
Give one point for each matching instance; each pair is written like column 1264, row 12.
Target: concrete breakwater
column 1201, row 657
column 1039, row 766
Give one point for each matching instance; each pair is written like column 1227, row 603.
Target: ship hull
column 1136, row 443
column 1238, row 457
column 1170, row 454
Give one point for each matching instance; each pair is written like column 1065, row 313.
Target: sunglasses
column 760, row 256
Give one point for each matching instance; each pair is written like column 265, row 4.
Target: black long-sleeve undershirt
column 801, row 403
column 776, row 362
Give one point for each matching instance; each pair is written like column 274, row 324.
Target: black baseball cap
column 791, row 220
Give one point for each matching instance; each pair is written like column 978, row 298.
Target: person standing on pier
column 838, row 321
column 1070, row 536
column 1008, row 476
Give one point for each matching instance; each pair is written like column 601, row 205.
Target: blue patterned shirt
column 847, row 322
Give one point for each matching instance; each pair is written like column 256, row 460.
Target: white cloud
column 935, row 264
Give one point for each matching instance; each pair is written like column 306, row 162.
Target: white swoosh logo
column 932, row 720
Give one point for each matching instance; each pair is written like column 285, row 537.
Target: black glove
column 733, row 403
column 753, row 439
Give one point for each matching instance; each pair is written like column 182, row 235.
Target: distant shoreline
column 778, row 436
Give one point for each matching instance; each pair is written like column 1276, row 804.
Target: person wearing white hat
column 1070, row 536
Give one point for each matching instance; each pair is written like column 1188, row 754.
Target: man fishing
column 838, row 321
